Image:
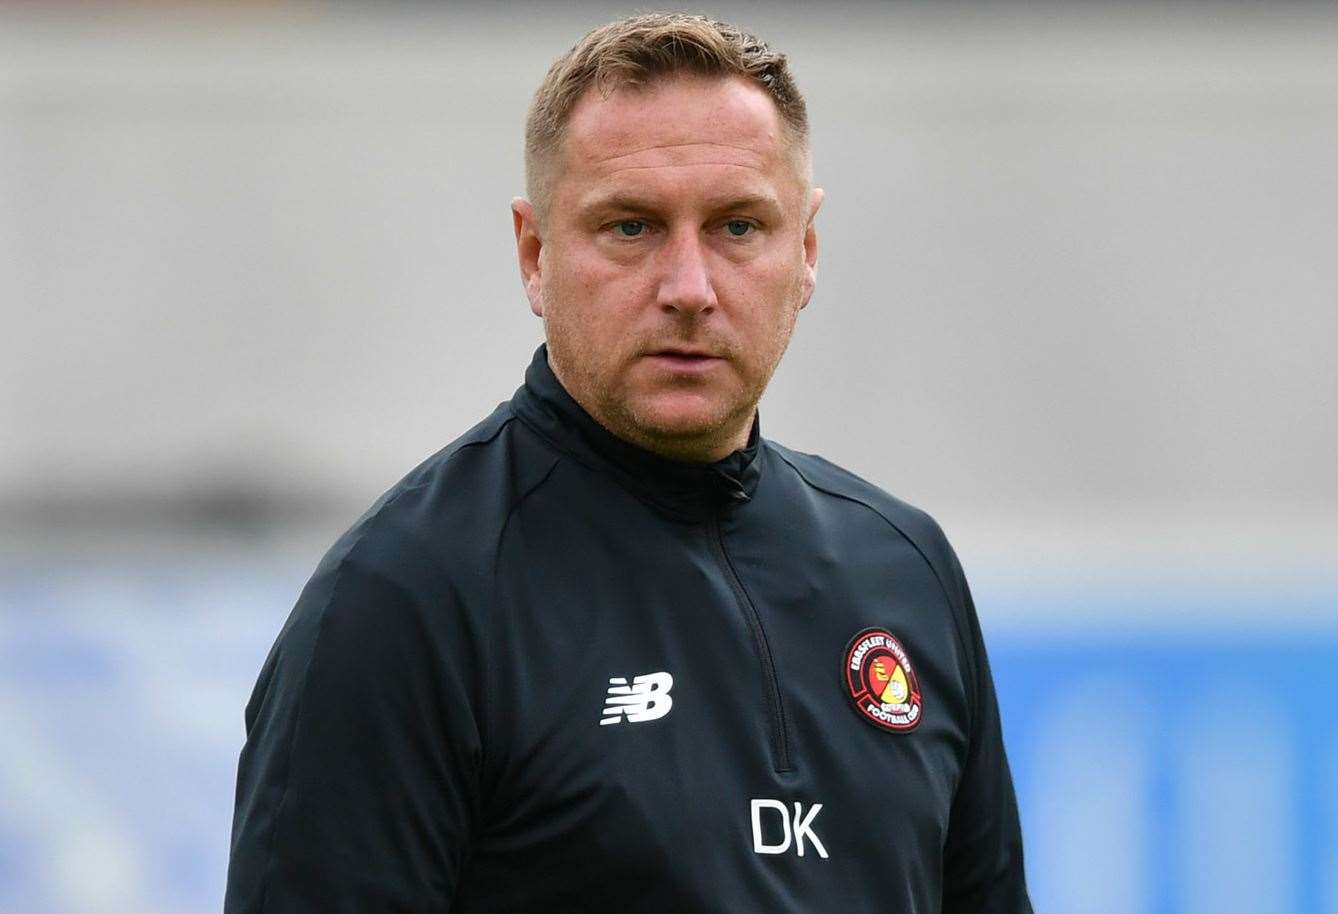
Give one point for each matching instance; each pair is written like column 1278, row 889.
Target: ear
column 529, row 247
column 811, row 246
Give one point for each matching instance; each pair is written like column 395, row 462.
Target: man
column 611, row 650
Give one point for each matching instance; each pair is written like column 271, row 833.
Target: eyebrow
column 629, row 202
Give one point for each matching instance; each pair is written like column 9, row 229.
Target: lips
column 683, row 359
column 677, row 355
column 685, row 352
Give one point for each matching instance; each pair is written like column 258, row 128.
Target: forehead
column 678, row 125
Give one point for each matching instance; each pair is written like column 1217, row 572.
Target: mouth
column 684, row 359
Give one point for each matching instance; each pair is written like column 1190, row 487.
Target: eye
column 738, row 227
column 629, row 228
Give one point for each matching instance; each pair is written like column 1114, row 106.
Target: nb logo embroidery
column 647, row 698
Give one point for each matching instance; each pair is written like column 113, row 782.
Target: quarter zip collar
column 689, row 491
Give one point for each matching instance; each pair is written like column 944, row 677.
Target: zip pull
column 733, row 488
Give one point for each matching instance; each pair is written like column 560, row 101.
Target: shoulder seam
column 957, row 612
column 492, row 589
column 480, row 442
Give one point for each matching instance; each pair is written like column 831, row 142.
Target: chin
column 680, row 421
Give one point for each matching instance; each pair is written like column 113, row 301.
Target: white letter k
column 803, row 826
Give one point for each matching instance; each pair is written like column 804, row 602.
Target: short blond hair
column 639, row 50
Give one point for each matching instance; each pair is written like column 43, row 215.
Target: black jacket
column 549, row 671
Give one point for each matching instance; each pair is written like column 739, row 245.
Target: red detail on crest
column 871, row 661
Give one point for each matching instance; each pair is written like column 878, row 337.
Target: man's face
column 677, row 249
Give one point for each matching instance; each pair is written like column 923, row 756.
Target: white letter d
column 758, row 845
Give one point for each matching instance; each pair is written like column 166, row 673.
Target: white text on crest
column 864, row 646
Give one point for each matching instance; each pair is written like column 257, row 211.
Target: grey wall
column 1075, row 260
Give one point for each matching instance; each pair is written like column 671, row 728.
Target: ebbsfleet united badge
column 880, row 680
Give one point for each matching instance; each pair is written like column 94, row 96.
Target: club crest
column 880, row 681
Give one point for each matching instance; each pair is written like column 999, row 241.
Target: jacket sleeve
column 983, row 871
column 358, row 785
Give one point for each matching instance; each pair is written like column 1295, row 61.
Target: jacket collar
column 691, row 491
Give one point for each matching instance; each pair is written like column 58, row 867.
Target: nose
column 685, row 277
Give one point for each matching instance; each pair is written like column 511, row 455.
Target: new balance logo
column 647, row 698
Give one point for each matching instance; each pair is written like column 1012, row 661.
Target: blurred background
column 1078, row 298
